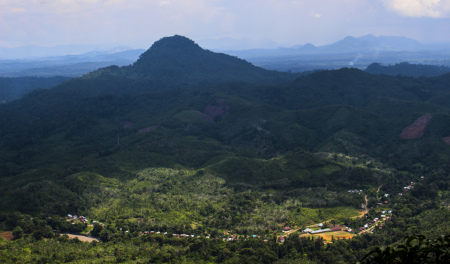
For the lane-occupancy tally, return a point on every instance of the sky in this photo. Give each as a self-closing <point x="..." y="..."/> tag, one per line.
<point x="138" y="23"/>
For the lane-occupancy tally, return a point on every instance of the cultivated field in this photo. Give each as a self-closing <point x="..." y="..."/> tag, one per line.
<point x="328" y="235"/>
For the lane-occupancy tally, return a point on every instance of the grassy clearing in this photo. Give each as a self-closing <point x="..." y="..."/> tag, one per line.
<point x="329" y="235"/>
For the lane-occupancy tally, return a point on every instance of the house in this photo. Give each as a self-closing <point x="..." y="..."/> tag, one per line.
<point x="280" y="239"/>
<point x="336" y="228"/>
<point x="320" y="231"/>
<point x="320" y="225"/>
<point x="307" y="230"/>
<point x="385" y="202"/>
<point x="286" y="228"/>
<point x="383" y="216"/>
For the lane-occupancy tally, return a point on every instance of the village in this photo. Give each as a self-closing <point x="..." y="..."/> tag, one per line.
<point x="326" y="230"/>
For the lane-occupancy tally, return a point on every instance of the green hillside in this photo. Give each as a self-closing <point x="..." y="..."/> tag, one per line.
<point x="189" y="141"/>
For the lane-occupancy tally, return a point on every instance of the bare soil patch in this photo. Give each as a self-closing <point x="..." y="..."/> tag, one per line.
<point x="7" y="235"/>
<point x="446" y="140"/>
<point x="82" y="238"/>
<point x="416" y="129"/>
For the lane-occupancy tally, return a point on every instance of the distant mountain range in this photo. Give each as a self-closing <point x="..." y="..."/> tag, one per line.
<point x="349" y="44"/>
<point x="349" y="52"/>
<point x="68" y="65"/>
<point x="35" y="52"/>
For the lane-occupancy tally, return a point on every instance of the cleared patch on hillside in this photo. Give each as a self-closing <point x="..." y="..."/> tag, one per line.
<point x="446" y="140"/>
<point x="82" y="238"/>
<point x="416" y="129"/>
<point x="7" y="235"/>
<point x="214" y="110"/>
<point x="147" y="129"/>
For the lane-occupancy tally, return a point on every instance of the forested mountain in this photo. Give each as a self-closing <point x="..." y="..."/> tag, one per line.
<point x="15" y="88"/>
<point x="187" y="139"/>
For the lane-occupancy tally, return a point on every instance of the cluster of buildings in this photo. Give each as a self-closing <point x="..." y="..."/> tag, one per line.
<point x="375" y="222"/>
<point x="224" y="238"/>
<point x="356" y="191"/>
<point x="81" y="218"/>
<point x="410" y="186"/>
<point x="322" y="230"/>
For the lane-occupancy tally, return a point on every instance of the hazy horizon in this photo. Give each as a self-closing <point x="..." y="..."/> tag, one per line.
<point x="139" y="23"/>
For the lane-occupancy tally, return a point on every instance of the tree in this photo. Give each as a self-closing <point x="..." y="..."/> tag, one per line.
<point x="416" y="249"/>
<point x="17" y="232"/>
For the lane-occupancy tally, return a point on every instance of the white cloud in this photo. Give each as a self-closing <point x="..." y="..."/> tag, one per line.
<point x="420" y="8"/>
<point x="288" y="22"/>
<point x="316" y="15"/>
<point x="164" y="3"/>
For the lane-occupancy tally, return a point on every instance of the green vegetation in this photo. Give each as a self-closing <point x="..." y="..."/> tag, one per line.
<point x="186" y="141"/>
<point x="416" y="249"/>
<point x="407" y="69"/>
<point x="14" y="88"/>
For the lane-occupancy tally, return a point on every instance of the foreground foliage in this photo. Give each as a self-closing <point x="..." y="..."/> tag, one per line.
<point x="416" y="249"/>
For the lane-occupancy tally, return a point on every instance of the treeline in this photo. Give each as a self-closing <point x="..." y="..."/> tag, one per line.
<point x="12" y="88"/>
<point x="408" y="69"/>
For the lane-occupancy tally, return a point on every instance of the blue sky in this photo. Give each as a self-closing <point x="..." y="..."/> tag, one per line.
<point x="138" y="23"/>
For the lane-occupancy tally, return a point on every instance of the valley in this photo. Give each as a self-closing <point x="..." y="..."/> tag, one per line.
<point x="188" y="141"/>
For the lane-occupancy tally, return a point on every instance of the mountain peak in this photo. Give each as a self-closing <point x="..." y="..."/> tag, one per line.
<point x="179" y="59"/>
<point x="169" y="48"/>
<point x="175" y="42"/>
